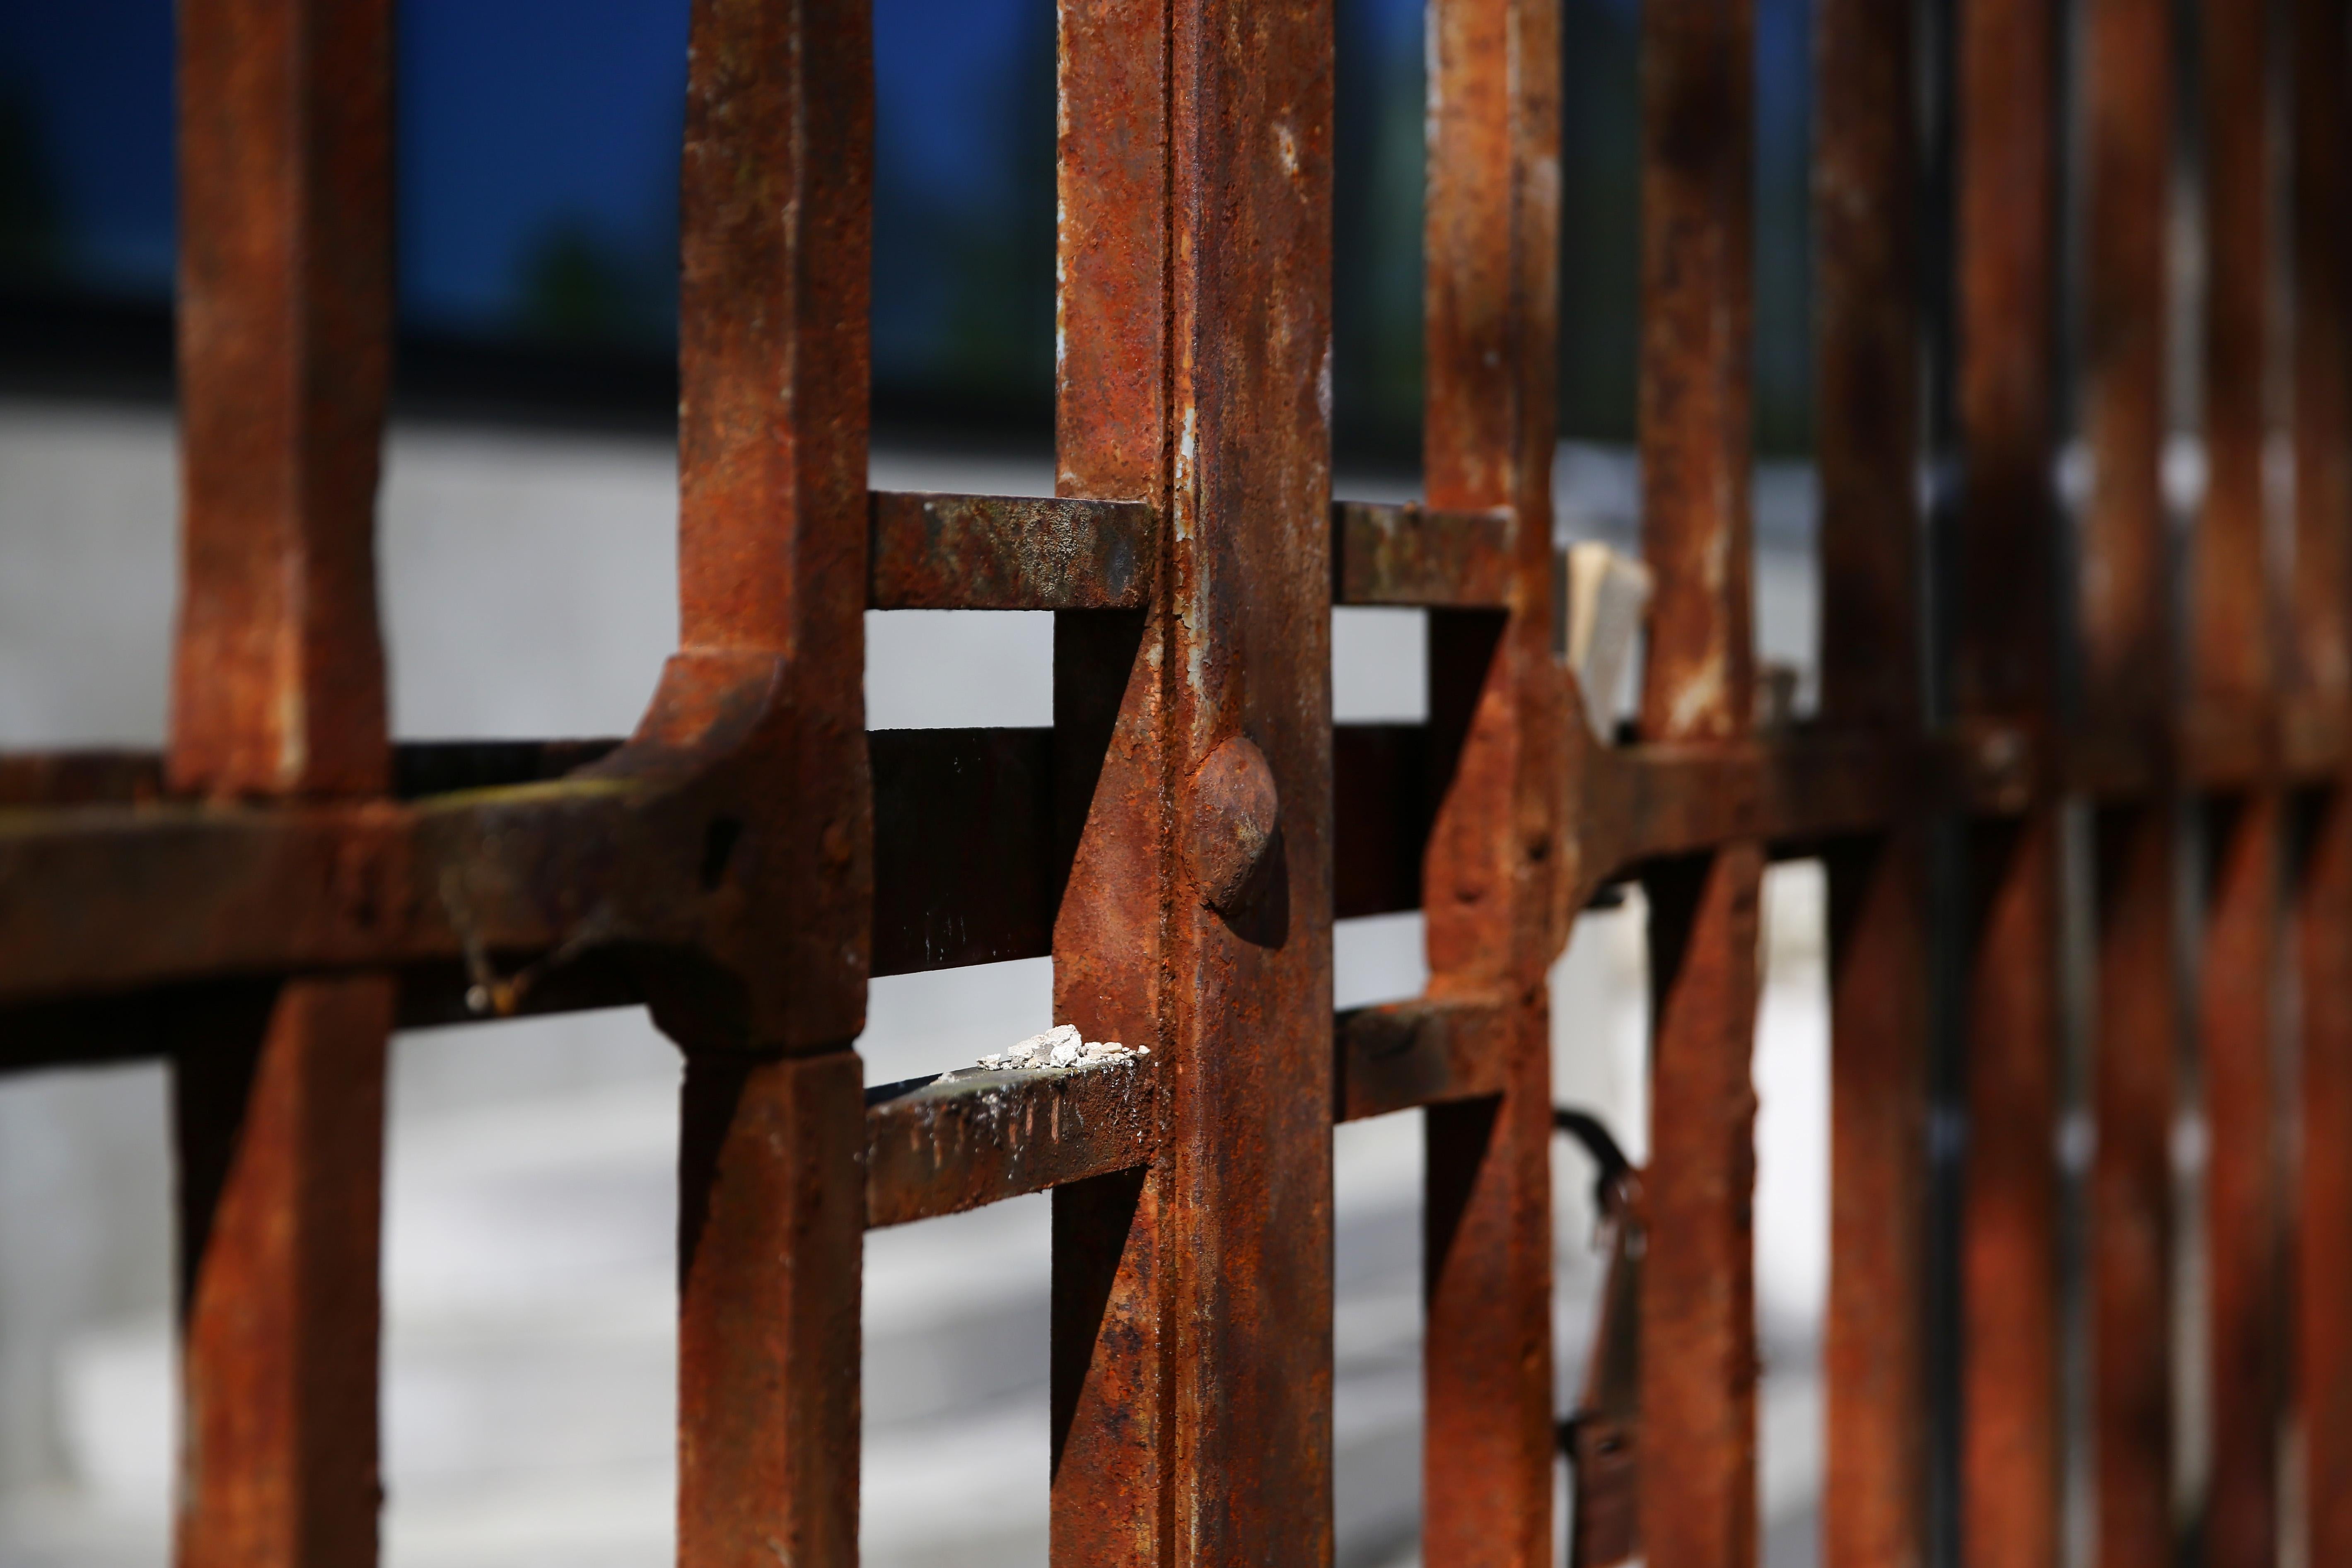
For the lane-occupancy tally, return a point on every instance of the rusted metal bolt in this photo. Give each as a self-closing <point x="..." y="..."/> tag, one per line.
<point x="2004" y="764"/>
<point x="1234" y="813"/>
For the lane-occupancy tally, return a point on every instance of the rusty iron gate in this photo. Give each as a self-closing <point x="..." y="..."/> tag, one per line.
<point x="265" y="901"/>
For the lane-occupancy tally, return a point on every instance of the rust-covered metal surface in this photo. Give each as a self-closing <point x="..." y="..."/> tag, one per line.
<point x="956" y="1142"/>
<point x="125" y="897"/>
<point x="1191" y="1398"/>
<point x="1427" y="1051"/>
<point x="1010" y="552"/>
<point x="262" y="902"/>
<point x="2004" y="667"/>
<point x="1699" y="1483"/>
<point x="772" y="574"/>
<point x="1496" y="733"/>
<point x="1416" y="556"/>
<point x="2319" y="233"/>
<point x="277" y="693"/>
<point x="1115" y="1242"/>
<point x="2129" y="643"/>
<point x="2232" y="659"/>
<point x="1869" y="445"/>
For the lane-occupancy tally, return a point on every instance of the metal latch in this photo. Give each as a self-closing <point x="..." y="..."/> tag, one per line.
<point x="1603" y="1436"/>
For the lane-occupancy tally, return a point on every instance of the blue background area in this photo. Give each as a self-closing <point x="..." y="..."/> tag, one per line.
<point x="521" y="118"/>
<point x="538" y="168"/>
<point x="94" y="79"/>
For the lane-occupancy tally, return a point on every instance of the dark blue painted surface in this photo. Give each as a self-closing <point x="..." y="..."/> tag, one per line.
<point x="537" y="145"/>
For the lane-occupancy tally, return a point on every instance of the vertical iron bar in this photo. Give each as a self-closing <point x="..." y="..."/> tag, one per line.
<point x="2128" y="663"/>
<point x="1113" y="1414"/>
<point x="1939" y="81"/>
<point x="1205" y="1285"/>
<point x="1698" y="1318"/>
<point x="2321" y="155"/>
<point x="2231" y="667"/>
<point x="1492" y="286"/>
<point x="768" y="1326"/>
<point x="2322" y="673"/>
<point x="1249" y="655"/>
<point x="2005" y="665"/>
<point x="773" y="373"/>
<point x="1869" y="448"/>
<point x="277" y="691"/>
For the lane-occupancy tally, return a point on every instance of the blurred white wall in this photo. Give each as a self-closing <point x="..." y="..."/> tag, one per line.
<point x="529" y="585"/>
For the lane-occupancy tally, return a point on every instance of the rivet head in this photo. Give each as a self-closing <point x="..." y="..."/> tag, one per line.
<point x="1235" y="812"/>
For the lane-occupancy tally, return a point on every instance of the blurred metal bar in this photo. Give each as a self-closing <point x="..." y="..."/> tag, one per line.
<point x="2233" y="629"/>
<point x="1870" y="430"/>
<point x="2128" y="638"/>
<point x="1380" y="783"/>
<point x="1401" y="1054"/>
<point x="1423" y="556"/>
<point x="2321" y="155"/>
<point x="52" y="779"/>
<point x="2005" y="637"/>
<point x="1698" y="1315"/>
<point x="964" y="863"/>
<point x="277" y="691"/>
<point x="1490" y="245"/>
<point x="563" y="857"/>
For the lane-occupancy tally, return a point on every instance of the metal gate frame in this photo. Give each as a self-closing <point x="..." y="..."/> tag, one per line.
<point x="265" y="901"/>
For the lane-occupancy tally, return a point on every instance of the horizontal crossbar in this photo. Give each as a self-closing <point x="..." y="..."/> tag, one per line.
<point x="1010" y="553"/>
<point x="940" y="1145"/>
<point x="1025" y="552"/>
<point x="958" y="1140"/>
<point x="557" y="884"/>
<point x="943" y="1144"/>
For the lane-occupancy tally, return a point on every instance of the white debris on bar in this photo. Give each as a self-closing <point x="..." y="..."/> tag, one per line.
<point x="1607" y="593"/>
<point x="1062" y="1047"/>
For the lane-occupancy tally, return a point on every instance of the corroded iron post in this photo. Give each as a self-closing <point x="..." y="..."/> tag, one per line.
<point x="278" y="692"/>
<point x="773" y="376"/>
<point x="1698" y="1311"/>
<point x="1193" y="1352"/>
<point x="2231" y="674"/>
<point x="2006" y="654"/>
<point x="1496" y="749"/>
<point x="2321" y="674"/>
<point x="1870" y="439"/>
<point x="2129" y="640"/>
